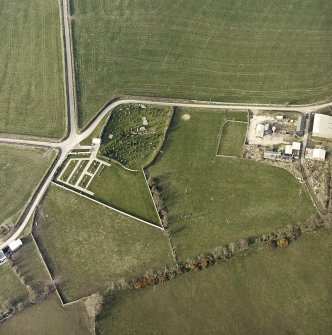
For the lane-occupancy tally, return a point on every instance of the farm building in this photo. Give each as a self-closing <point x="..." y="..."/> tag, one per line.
<point x="96" y="141"/>
<point x="322" y="126"/>
<point x="2" y="256"/>
<point x="260" y="128"/>
<point x="267" y="128"/>
<point x="13" y="246"/>
<point x="315" y="154"/>
<point x="296" y="148"/>
<point x="288" y="149"/>
<point x="300" y="125"/>
<point x="276" y="155"/>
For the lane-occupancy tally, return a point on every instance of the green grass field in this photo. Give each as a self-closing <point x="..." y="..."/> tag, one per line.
<point x="78" y="172"/>
<point x="133" y="134"/>
<point x="49" y="318"/>
<point x="89" y="246"/>
<point x="21" y="169"/>
<point x="31" y="267"/>
<point x="213" y="200"/>
<point x="12" y="291"/>
<point x="282" y="291"/>
<point x="232" y="139"/>
<point x="235" y="51"/>
<point x="69" y="169"/>
<point x="31" y="69"/>
<point x="124" y="190"/>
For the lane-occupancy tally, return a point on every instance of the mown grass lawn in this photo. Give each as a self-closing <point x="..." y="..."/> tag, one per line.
<point x="32" y="100"/>
<point x="232" y="139"/>
<point x="88" y="246"/>
<point x="49" y="318"/>
<point x="213" y="200"/>
<point x="261" y="51"/>
<point x="281" y="291"/>
<point x="126" y="191"/>
<point x="21" y="170"/>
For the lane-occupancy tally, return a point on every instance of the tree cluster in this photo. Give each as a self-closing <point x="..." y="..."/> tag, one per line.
<point x="158" y="200"/>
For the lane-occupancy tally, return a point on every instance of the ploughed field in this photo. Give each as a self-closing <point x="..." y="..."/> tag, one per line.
<point x="32" y="100"/>
<point x="21" y="170"/>
<point x="262" y="51"/>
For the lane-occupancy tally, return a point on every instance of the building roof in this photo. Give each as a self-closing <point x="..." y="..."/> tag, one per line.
<point x="316" y="154"/>
<point x="322" y="126"/>
<point x="296" y="146"/>
<point x="319" y="154"/>
<point x="96" y="140"/>
<point x="15" y="245"/>
<point x="300" y="124"/>
<point x="288" y="149"/>
<point x="145" y="121"/>
<point x="260" y="128"/>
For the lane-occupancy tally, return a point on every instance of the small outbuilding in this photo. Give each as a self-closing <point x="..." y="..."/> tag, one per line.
<point x="96" y="141"/>
<point x="300" y="125"/>
<point x="145" y="121"/>
<point x="296" y="148"/>
<point x="13" y="246"/>
<point x="267" y="128"/>
<point x="2" y="256"/>
<point x="288" y="149"/>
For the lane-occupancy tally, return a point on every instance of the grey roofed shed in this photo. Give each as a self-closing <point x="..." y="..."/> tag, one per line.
<point x="300" y="125"/>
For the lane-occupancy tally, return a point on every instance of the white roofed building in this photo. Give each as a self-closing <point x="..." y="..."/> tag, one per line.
<point x="296" y="146"/>
<point x="315" y="154"/>
<point x="96" y="141"/>
<point x="322" y="126"/>
<point x="260" y="129"/>
<point x="13" y="246"/>
<point x="288" y="149"/>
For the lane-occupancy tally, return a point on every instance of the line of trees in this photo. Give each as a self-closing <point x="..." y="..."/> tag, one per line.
<point x="158" y="200"/>
<point x="279" y="238"/>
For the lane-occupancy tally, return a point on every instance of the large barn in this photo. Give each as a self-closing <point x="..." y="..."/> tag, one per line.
<point x="322" y="126"/>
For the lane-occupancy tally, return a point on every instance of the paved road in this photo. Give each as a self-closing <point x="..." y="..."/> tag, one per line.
<point x="74" y="137"/>
<point x="70" y="73"/>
